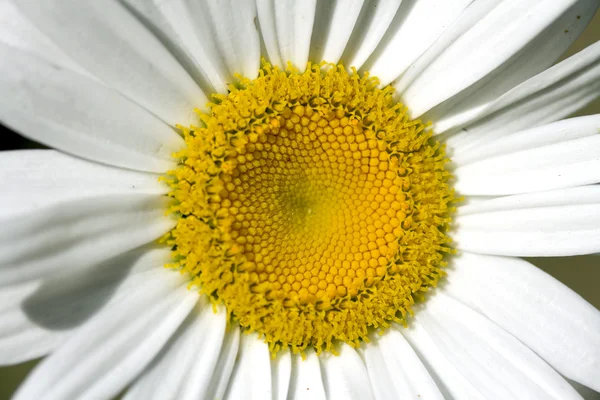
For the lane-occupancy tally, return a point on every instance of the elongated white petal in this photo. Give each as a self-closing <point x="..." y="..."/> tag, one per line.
<point x="114" y="347"/>
<point x="227" y="34"/>
<point x="547" y="97"/>
<point x="253" y="356"/>
<point x="287" y="26"/>
<point x="484" y="49"/>
<point x="533" y="55"/>
<point x="545" y="315"/>
<point x="18" y="32"/>
<point x="415" y="27"/>
<point x="306" y="381"/>
<point x="79" y="234"/>
<point x="373" y="21"/>
<point x="495" y="362"/>
<point x="76" y="114"/>
<point x="333" y="25"/>
<point x="555" y="132"/>
<point x="185" y="367"/>
<point x="188" y="27"/>
<point x="125" y="54"/>
<point x="345" y="375"/>
<point x="224" y="368"/>
<point x="546" y="227"/>
<point x="281" y="369"/>
<point x="559" y="155"/>
<point x="34" y="179"/>
<point x="448" y="378"/>
<point x="38" y="316"/>
<point x="561" y="197"/>
<point x="396" y="372"/>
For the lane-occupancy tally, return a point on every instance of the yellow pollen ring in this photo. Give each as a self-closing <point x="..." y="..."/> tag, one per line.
<point x="311" y="206"/>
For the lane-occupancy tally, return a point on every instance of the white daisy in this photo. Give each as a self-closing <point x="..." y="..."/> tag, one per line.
<point x="307" y="211"/>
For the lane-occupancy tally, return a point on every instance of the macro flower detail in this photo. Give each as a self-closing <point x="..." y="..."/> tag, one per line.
<point x="297" y="199"/>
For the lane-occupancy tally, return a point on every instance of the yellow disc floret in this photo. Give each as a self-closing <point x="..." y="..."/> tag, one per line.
<point x="311" y="206"/>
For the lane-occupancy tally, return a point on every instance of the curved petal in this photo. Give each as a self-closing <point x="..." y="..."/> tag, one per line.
<point x="396" y="372"/>
<point x="286" y="27"/>
<point x="333" y="25"/>
<point x="16" y="31"/>
<point x="227" y="358"/>
<point x="76" y="114"/>
<point x="447" y="376"/>
<point x="545" y="315"/>
<point x="114" y="347"/>
<point x="485" y="49"/>
<point x="415" y="27"/>
<point x="245" y="383"/>
<point x="185" y="367"/>
<point x="76" y="235"/>
<point x="281" y="368"/>
<point x="345" y="375"/>
<point x="125" y="54"/>
<point x="40" y="315"/>
<point x="229" y="35"/>
<point x="372" y="23"/>
<point x="547" y="97"/>
<point x="537" y="53"/>
<point x="549" y="226"/>
<point x="42" y="178"/>
<point x="495" y="362"/>
<point x="190" y="39"/>
<point x="305" y="381"/>
<point x="559" y="155"/>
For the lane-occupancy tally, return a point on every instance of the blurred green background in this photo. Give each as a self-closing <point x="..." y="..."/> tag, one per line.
<point x="582" y="274"/>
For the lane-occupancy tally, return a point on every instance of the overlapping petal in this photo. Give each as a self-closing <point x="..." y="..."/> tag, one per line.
<point x="542" y="313"/>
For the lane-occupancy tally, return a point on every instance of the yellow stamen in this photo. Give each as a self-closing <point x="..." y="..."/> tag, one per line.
<point x="311" y="205"/>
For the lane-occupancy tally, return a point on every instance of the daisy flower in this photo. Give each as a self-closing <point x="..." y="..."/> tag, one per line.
<point x="297" y="199"/>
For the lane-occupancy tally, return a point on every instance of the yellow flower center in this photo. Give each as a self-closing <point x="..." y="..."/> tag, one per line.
<point x="311" y="206"/>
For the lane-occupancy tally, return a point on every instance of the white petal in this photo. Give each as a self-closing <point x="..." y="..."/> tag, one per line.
<point x="108" y="41"/>
<point x="185" y="23"/>
<point x="415" y="27"/>
<point x="287" y="26"/>
<point x="395" y="370"/>
<point x="372" y="23"/>
<point x="495" y="362"/>
<point x="224" y="368"/>
<point x="227" y="34"/>
<point x="251" y="376"/>
<point x="333" y="25"/>
<point x="185" y="367"/>
<point x="555" y="132"/>
<point x="114" y="347"/>
<point x="306" y="382"/>
<point x="18" y="32"/>
<point x="549" y="96"/>
<point x="448" y="378"/>
<point x="559" y="155"/>
<point x="537" y="53"/>
<point x="40" y="315"/>
<point x="486" y="49"/>
<point x="545" y="315"/>
<point x="76" y="114"/>
<point x="34" y="179"/>
<point x="545" y="227"/>
<point x="579" y="195"/>
<point x="77" y="235"/>
<point x="345" y="375"/>
<point x="281" y="368"/>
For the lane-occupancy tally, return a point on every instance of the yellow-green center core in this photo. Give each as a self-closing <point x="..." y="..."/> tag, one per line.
<point x="311" y="206"/>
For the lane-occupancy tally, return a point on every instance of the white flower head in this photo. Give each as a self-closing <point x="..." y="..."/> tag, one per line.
<point x="297" y="199"/>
